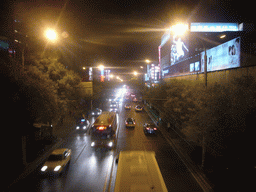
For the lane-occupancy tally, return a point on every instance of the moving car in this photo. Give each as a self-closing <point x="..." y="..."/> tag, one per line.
<point x="57" y="161"/>
<point x="127" y="106"/>
<point x="82" y="124"/>
<point x="149" y="128"/>
<point x="113" y="104"/>
<point x="96" y="112"/>
<point x="130" y="122"/>
<point x="138" y="108"/>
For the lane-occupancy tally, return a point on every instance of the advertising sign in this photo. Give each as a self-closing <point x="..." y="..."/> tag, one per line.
<point x="179" y="49"/>
<point x="213" y="27"/>
<point x="224" y="56"/>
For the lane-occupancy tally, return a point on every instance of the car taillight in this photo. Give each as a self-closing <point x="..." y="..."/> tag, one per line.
<point x="155" y="129"/>
<point x="147" y="128"/>
<point x="101" y="128"/>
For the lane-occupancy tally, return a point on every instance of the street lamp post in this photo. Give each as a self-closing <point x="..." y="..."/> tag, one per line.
<point x="180" y="29"/>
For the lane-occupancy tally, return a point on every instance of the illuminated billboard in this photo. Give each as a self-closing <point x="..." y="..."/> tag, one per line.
<point x="179" y="48"/>
<point x="213" y="27"/>
<point x="224" y="56"/>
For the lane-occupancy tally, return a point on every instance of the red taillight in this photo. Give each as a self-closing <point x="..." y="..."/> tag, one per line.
<point x="147" y="128"/>
<point x="134" y="123"/>
<point x="126" y="123"/>
<point x="155" y="128"/>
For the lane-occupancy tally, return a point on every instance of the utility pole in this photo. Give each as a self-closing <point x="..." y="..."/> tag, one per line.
<point x="204" y="129"/>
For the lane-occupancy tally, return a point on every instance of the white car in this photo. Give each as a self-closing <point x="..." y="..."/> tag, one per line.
<point x="57" y="161"/>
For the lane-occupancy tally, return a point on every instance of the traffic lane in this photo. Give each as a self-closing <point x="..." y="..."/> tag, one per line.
<point x="87" y="171"/>
<point x="175" y="174"/>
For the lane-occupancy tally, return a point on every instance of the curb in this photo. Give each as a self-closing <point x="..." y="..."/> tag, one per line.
<point x="198" y="175"/>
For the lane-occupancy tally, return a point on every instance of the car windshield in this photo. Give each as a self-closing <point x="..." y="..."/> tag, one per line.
<point x="129" y="119"/>
<point x="55" y="157"/>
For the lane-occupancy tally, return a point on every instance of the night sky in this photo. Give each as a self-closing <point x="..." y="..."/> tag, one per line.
<point x="121" y="32"/>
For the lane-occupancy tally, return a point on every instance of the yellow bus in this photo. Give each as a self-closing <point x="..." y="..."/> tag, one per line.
<point x="138" y="171"/>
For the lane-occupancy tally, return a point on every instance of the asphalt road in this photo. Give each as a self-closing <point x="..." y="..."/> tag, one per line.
<point x="91" y="168"/>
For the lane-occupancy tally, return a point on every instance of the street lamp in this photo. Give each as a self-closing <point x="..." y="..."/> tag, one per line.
<point x="147" y="61"/>
<point x="51" y="35"/>
<point x="179" y="29"/>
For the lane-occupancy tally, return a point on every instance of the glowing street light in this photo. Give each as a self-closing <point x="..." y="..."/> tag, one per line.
<point x="147" y="61"/>
<point x="51" y="35"/>
<point x="135" y="73"/>
<point x="101" y="67"/>
<point x="179" y="29"/>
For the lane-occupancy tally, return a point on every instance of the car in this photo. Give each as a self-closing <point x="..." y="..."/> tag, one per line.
<point x="82" y="124"/>
<point x="96" y="112"/>
<point x="58" y="160"/>
<point x="113" y="104"/>
<point x="130" y="122"/>
<point x="149" y="128"/>
<point x="138" y="108"/>
<point x="127" y="106"/>
<point x="114" y="109"/>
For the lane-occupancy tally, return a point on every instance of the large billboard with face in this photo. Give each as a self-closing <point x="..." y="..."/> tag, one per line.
<point x="224" y="56"/>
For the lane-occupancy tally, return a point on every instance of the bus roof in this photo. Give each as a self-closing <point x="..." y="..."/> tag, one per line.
<point x="105" y="118"/>
<point x="138" y="171"/>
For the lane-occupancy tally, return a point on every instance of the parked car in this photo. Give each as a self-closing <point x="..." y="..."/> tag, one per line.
<point x="138" y="108"/>
<point x="57" y="161"/>
<point x="149" y="128"/>
<point x="130" y="122"/>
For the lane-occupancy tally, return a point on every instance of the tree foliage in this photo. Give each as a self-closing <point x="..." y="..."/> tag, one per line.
<point x="53" y="87"/>
<point x="221" y="112"/>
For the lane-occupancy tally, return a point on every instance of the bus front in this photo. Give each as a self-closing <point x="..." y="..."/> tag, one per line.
<point x="102" y="135"/>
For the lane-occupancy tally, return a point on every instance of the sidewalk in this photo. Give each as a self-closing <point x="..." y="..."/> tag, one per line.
<point x="183" y="149"/>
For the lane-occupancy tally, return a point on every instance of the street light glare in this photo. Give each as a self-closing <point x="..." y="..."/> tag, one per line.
<point x="101" y="67"/>
<point x="51" y="34"/>
<point x="179" y="29"/>
<point x="147" y="61"/>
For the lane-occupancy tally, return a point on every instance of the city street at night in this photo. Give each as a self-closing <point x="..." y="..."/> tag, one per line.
<point x="91" y="168"/>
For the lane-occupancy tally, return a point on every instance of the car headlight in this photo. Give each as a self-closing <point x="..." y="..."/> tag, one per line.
<point x="92" y="113"/>
<point x="92" y="144"/>
<point x="77" y="127"/>
<point x="57" y="168"/>
<point x="44" y="168"/>
<point x="84" y="127"/>
<point x="110" y="144"/>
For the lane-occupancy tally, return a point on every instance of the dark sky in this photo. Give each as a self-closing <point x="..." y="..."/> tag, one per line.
<point x="121" y="32"/>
